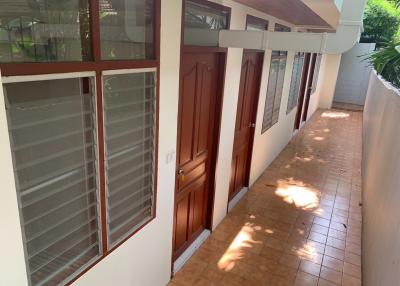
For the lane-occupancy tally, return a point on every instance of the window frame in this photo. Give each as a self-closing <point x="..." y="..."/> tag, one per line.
<point x="297" y="56"/>
<point x="317" y="69"/>
<point x="282" y="28"/>
<point x="126" y="236"/>
<point x="11" y="72"/>
<point x="281" y="56"/>
<point x="212" y="5"/>
<point x="250" y="19"/>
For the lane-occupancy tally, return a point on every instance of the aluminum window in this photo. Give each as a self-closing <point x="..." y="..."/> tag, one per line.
<point x="316" y="73"/>
<point x="295" y="81"/>
<point x="55" y="148"/>
<point x="129" y="120"/>
<point x="53" y="140"/>
<point x="275" y="89"/>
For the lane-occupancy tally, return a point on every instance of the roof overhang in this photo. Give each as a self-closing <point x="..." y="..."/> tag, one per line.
<point x="347" y="34"/>
<point x="312" y="14"/>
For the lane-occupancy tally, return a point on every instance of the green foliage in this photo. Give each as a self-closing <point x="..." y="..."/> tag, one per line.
<point x="381" y="22"/>
<point x="387" y="62"/>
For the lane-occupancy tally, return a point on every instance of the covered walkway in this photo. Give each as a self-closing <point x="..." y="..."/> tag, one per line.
<point x="300" y="224"/>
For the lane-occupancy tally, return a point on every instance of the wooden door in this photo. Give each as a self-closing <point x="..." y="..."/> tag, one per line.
<point x="245" y="120"/>
<point x="200" y="93"/>
<point x="302" y="91"/>
<point x="309" y="86"/>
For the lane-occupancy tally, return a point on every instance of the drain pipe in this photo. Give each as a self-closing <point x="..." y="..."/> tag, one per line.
<point x="346" y="36"/>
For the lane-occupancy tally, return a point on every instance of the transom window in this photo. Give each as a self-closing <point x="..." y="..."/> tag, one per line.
<point x="281" y="28"/>
<point x="256" y="24"/>
<point x="45" y="31"/>
<point x="203" y="21"/>
<point x="81" y="93"/>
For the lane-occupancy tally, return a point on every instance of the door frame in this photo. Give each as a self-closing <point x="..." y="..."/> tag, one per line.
<point x="216" y="136"/>
<point x="254" y="119"/>
<point x="302" y="91"/>
<point x="309" y="86"/>
<point x="218" y="117"/>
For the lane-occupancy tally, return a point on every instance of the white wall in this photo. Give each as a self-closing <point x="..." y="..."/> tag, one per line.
<point x="354" y="72"/>
<point x="326" y="86"/>
<point x="328" y="78"/>
<point x="267" y="146"/>
<point x="231" y="93"/>
<point x="381" y="180"/>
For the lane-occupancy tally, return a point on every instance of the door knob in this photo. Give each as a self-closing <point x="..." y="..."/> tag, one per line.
<point x="252" y="125"/>
<point x="181" y="174"/>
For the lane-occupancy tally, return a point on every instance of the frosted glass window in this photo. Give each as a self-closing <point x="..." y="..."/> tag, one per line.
<point x="44" y="31"/>
<point x="203" y="23"/>
<point x="52" y="132"/>
<point x="127" y="29"/>
<point x="295" y="81"/>
<point x="129" y="113"/>
<point x="275" y="88"/>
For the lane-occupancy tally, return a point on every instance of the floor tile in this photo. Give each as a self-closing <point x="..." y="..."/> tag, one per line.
<point x="300" y="223"/>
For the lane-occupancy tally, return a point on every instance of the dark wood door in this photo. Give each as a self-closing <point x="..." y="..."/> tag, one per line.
<point x="197" y="124"/>
<point x="309" y="87"/>
<point x="245" y="120"/>
<point x="302" y="91"/>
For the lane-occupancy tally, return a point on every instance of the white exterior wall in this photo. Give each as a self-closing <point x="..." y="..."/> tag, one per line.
<point x="327" y="80"/>
<point x="381" y="180"/>
<point x="354" y="72"/>
<point x="145" y="259"/>
<point x="267" y="146"/>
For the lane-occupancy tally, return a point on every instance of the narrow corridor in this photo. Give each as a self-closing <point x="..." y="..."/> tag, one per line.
<point x="300" y="224"/>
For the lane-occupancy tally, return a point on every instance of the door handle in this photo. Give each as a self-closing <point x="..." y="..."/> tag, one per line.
<point x="181" y="174"/>
<point x="252" y="125"/>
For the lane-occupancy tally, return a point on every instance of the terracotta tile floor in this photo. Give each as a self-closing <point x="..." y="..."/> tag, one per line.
<point x="300" y="224"/>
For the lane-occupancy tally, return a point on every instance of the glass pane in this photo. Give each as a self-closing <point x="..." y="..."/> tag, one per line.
<point x="256" y="24"/>
<point x="129" y="113"/>
<point x="279" y="89"/>
<point x="44" y="31"/>
<point x="202" y="24"/>
<point x="295" y="81"/>
<point x="316" y="73"/>
<point x="281" y="28"/>
<point x="127" y="29"/>
<point x="52" y="132"/>
<point x="269" y="101"/>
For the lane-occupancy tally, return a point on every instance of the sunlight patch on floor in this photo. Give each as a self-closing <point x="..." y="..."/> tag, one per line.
<point x="236" y="249"/>
<point x="335" y="114"/>
<point x="301" y="196"/>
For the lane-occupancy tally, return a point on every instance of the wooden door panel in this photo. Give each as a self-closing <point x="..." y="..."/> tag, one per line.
<point x="187" y="111"/>
<point x="199" y="89"/>
<point x="192" y="174"/>
<point x="245" y="118"/>
<point x="182" y="214"/>
<point x="199" y="194"/>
